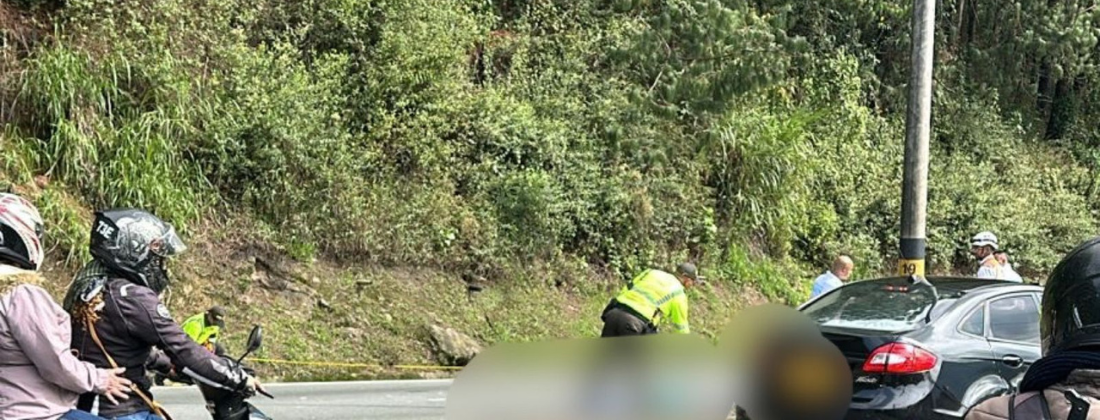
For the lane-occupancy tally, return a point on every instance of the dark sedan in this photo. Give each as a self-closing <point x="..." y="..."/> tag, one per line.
<point x="930" y="350"/>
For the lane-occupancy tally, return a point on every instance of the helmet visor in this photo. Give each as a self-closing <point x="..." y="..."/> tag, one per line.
<point x="168" y="244"/>
<point x="1073" y="320"/>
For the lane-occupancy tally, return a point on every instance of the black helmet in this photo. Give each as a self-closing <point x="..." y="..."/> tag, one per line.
<point x="1070" y="316"/>
<point x="134" y="244"/>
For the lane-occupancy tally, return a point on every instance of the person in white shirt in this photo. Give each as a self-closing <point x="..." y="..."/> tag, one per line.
<point x="982" y="246"/>
<point x="835" y="277"/>
<point x="1010" y="273"/>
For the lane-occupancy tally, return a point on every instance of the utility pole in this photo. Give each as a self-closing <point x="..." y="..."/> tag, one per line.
<point x="917" y="130"/>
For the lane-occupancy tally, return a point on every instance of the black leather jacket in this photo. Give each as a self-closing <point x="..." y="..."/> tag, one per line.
<point x="131" y="324"/>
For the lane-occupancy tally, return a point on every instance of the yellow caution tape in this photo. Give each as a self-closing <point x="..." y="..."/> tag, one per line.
<point x="355" y="365"/>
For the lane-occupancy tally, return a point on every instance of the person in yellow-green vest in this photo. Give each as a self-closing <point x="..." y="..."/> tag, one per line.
<point x="652" y="298"/>
<point x="204" y="328"/>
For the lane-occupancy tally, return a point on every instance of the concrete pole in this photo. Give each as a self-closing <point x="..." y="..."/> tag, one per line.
<point x="917" y="130"/>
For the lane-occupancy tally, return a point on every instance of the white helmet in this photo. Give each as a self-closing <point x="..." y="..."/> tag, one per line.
<point x="20" y="233"/>
<point x="984" y="239"/>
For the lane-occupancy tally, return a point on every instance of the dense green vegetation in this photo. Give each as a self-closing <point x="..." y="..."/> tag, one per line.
<point x="756" y="137"/>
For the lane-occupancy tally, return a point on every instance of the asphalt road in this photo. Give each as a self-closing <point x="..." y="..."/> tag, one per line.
<point x="412" y="400"/>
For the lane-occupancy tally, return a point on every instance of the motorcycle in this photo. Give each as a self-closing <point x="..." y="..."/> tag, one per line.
<point x="224" y="404"/>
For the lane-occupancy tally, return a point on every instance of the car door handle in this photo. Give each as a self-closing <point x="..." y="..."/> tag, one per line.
<point x="1013" y="360"/>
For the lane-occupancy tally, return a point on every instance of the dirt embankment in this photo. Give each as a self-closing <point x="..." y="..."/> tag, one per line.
<point x="354" y="322"/>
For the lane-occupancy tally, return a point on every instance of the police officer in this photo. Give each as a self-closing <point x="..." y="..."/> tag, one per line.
<point x="650" y="297"/>
<point x="1065" y="383"/>
<point x="205" y="327"/>
<point x="983" y="246"/>
<point x="118" y="318"/>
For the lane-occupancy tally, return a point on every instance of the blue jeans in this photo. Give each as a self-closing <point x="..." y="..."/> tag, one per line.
<point x="80" y="415"/>
<point x="140" y="415"/>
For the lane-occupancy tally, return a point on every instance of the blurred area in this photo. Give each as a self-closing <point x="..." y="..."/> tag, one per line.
<point x="769" y="361"/>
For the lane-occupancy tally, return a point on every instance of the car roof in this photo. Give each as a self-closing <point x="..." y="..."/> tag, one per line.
<point x="953" y="287"/>
<point x="956" y="285"/>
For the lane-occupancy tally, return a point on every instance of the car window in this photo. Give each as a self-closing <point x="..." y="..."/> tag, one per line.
<point x="885" y="306"/>
<point x="1014" y="318"/>
<point x="975" y="323"/>
<point x="942" y="306"/>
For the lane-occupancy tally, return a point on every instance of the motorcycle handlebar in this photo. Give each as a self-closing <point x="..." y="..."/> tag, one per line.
<point x="264" y="393"/>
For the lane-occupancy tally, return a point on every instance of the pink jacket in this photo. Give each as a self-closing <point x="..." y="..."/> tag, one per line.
<point x="39" y="376"/>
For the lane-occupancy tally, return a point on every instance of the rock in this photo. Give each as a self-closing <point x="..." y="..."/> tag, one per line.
<point x="273" y="275"/>
<point x="263" y="274"/>
<point x="293" y="288"/>
<point x="451" y="347"/>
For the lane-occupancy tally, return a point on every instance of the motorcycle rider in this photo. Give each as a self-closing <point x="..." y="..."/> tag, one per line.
<point x="39" y="378"/>
<point x="117" y="296"/>
<point x="1065" y="382"/>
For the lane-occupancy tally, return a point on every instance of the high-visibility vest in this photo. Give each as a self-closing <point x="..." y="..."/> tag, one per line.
<point x="196" y="328"/>
<point x="657" y="294"/>
<point x="995" y="266"/>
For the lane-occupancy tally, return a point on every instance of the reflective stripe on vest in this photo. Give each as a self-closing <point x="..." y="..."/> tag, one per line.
<point x="650" y="291"/>
<point x="196" y="328"/>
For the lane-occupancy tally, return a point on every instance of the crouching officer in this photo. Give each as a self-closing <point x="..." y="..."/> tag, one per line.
<point x="204" y="328"/>
<point x="651" y="296"/>
<point x="118" y="318"/>
<point x="1065" y="383"/>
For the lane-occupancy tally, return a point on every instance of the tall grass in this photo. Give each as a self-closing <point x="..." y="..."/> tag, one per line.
<point x="95" y="132"/>
<point x="361" y="132"/>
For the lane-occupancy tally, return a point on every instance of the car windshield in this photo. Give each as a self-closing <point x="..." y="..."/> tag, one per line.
<point x="881" y="306"/>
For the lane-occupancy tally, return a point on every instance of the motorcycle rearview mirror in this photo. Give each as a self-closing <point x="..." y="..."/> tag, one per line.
<point x="255" y="340"/>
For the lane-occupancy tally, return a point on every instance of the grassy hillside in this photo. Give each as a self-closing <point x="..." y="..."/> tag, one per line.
<point x="338" y="314"/>
<point x="384" y="151"/>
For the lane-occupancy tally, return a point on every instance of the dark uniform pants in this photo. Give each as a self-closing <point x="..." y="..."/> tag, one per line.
<point x="618" y="322"/>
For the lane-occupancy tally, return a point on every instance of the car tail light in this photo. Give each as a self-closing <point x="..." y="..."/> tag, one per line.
<point x="899" y="358"/>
